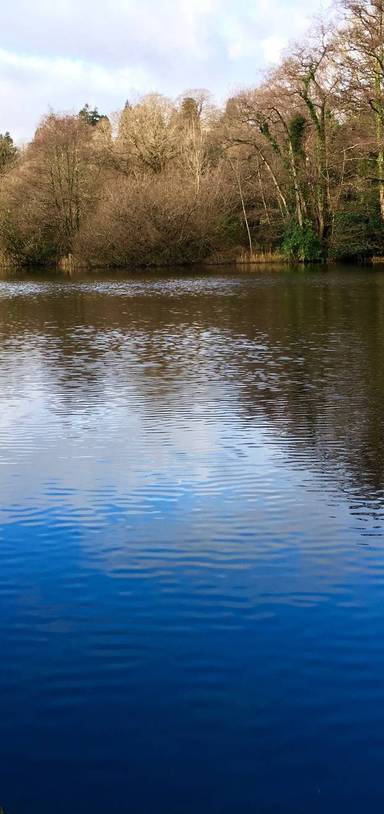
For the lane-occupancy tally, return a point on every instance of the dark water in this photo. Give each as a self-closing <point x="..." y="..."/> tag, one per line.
<point x="191" y="543"/>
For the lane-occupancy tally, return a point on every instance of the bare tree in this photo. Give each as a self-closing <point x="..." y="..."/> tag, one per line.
<point x="362" y="43"/>
<point x="147" y="135"/>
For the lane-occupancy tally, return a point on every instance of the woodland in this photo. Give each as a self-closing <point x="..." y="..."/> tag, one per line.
<point x="291" y="168"/>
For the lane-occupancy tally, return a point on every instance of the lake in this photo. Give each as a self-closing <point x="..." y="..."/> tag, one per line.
<point x="192" y="542"/>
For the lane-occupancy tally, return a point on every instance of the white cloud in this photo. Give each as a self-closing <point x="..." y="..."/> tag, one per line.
<point x="273" y="47"/>
<point x="29" y="85"/>
<point x="71" y="51"/>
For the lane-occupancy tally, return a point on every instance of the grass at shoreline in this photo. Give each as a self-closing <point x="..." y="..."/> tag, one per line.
<point x="260" y="258"/>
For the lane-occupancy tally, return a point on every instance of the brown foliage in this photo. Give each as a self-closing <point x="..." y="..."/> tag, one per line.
<point x="45" y="198"/>
<point x="296" y="162"/>
<point x="155" y="221"/>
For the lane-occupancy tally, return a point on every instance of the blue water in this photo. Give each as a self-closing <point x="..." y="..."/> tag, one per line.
<point x="191" y="543"/>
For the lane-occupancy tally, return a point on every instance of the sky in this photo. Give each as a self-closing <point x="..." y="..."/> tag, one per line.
<point x="60" y="54"/>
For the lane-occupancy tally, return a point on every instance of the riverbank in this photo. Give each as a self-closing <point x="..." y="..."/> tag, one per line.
<point x="240" y="260"/>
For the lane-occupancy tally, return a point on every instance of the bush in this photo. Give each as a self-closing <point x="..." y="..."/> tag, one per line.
<point x="27" y="232"/>
<point x="357" y="235"/>
<point x="156" y="220"/>
<point x="301" y="244"/>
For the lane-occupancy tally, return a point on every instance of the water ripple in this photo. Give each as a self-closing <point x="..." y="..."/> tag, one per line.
<point x="191" y="524"/>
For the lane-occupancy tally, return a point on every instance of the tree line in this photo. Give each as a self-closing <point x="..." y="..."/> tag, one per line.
<point x="293" y="166"/>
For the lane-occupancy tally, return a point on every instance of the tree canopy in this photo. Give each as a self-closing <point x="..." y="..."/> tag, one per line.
<point x="294" y="165"/>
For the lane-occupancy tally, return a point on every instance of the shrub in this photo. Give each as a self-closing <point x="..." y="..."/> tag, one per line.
<point x="357" y="234"/>
<point x="156" y="220"/>
<point x="301" y="244"/>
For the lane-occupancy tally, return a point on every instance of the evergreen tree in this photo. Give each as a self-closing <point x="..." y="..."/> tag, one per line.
<point x="92" y="117"/>
<point x="8" y="151"/>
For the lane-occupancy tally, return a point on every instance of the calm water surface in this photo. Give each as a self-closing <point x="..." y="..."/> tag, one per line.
<point x="192" y="543"/>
